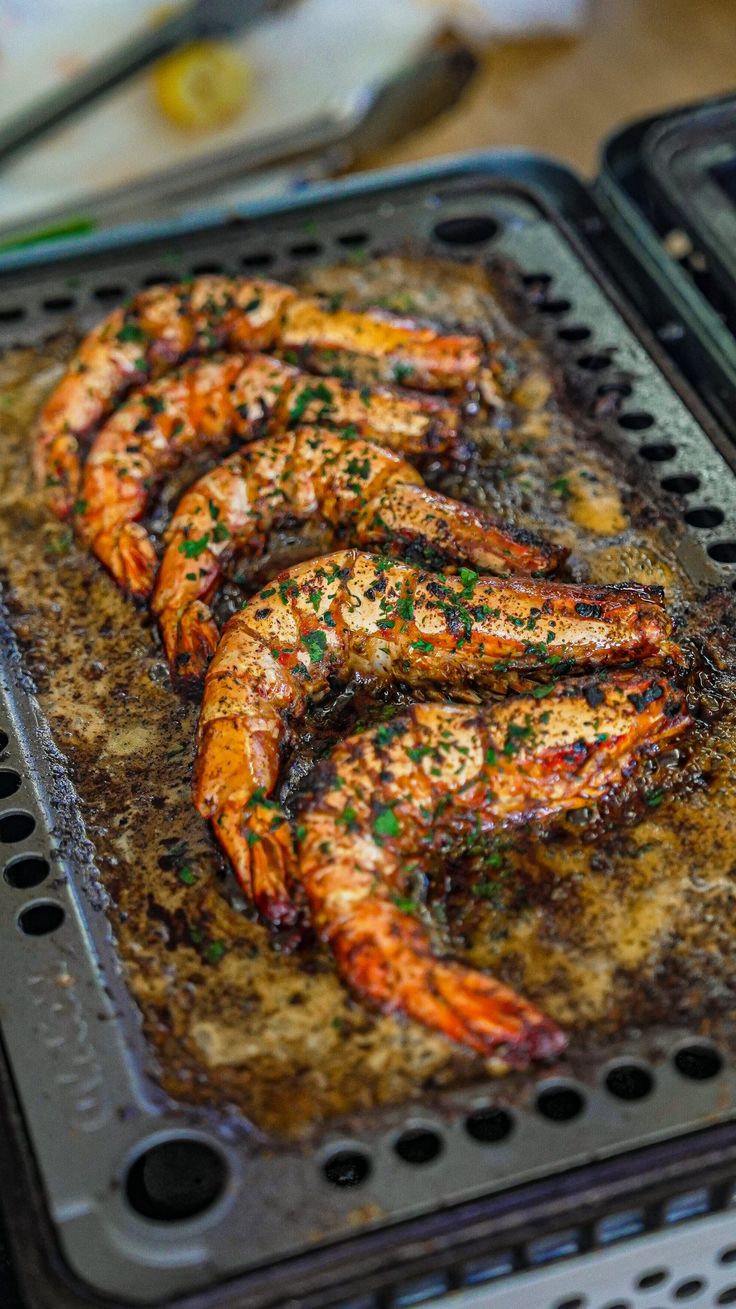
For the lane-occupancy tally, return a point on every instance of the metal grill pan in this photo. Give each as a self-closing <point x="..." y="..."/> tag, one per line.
<point x="70" y="1032"/>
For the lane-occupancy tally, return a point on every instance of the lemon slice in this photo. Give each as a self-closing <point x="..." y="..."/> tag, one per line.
<point x="203" y="85"/>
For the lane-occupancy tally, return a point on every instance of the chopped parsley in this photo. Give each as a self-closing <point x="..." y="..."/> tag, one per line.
<point x="315" y="644"/>
<point x="194" y="548"/>
<point x="406" y="905"/>
<point x="214" y="951"/>
<point x="131" y="332"/>
<point x="386" y="824"/>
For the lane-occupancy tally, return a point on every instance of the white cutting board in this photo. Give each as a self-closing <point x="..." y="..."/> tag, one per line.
<point x="318" y="52"/>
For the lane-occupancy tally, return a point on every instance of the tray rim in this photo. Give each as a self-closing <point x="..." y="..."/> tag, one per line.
<point x="517" y="164"/>
<point x="619" y="152"/>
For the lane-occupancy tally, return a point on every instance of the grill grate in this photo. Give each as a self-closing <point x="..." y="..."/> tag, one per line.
<point x="69" y="1025"/>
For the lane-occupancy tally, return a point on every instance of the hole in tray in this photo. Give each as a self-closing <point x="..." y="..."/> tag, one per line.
<point x="489" y="1267"/>
<point x="680" y="1208"/>
<point x="658" y="452"/>
<point x="704" y="516"/>
<point x="575" y="332"/>
<point x="537" y="279"/>
<point x="560" y="1104"/>
<point x="470" y="230"/>
<point x="594" y="362"/>
<point x="636" y="421"/>
<point x="724" y="552"/>
<point x="558" y="1245"/>
<point x="347" y="1168"/>
<point x="418" y="1146"/>
<point x="418" y="1291"/>
<point x="686" y="1290"/>
<point x="684" y="484"/>
<point x="698" y="1062"/>
<point x="629" y="1082"/>
<point x="26" y="871"/>
<point x="207" y="269"/>
<point x="553" y="306"/>
<point x="15" y="827"/>
<point x="175" y="1180"/>
<point x="12" y="314"/>
<point x="622" y="389"/>
<point x="3" y="741"/>
<point x="671" y="332"/>
<point x="728" y="1296"/>
<point x="620" y="1226"/>
<point x="159" y="279"/>
<point x="9" y="782"/>
<point x="57" y="304"/>
<point x="575" y="1302"/>
<point x="352" y="238"/>
<point x="304" y="248"/>
<point x="727" y="1256"/>
<point x="258" y="259"/>
<point x="106" y="294"/>
<point x="651" y="1279"/>
<point x="617" y="1304"/>
<point x="489" y="1126"/>
<point x="41" y="918"/>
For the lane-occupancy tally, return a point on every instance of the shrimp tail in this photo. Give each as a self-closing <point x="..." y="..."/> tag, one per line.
<point x="257" y="841"/>
<point x="133" y="560"/>
<point x="253" y="831"/>
<point x="388" y="959"/>
<point x="128" y="552"/>
<point x="193" y="634"/>
<point x="272" y="862"/>
<point x="59" y="471"/>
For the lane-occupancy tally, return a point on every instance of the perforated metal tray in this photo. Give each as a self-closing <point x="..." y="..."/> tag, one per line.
<point x="680" y="298"/>
<point x="284" y="1226"/>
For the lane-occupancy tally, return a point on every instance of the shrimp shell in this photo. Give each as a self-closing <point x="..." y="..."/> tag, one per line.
<point x="165" y="324"/>
<point x="416" y="789"/>
<point x="153" y="332"/>
<point x="209" y="403"/>
<point x="351" y="613"/>
<point x="366" y="494"/>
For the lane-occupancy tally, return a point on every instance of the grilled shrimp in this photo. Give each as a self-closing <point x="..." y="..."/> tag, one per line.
<point x="165" y="324"/>
<point x="365" y="493"/>
<point x="391" y="799"/>
<point x="405" y="351"/>
<point x="353" y="613"/>
<point x="140" y="340"/>
<point x="207" y="403"/>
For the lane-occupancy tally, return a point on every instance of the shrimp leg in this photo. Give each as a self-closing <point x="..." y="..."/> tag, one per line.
<point x="352" y="613"/>
<point x="365" y="493"/>
<point x="385" y="798"/>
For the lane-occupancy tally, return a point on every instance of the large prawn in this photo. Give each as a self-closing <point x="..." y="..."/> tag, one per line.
<point x="164" y="324"/>
<point x="142" y="339"/>
<point x="354" y="613"/>
<point x="207" y="404"/>
<point x="412" y="791"/>
<point x="365" y="494"/>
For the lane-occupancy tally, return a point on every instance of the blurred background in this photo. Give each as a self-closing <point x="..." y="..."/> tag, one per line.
<point x="212" y="102"/>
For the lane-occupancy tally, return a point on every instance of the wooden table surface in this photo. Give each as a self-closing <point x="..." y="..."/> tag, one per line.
<point x="562" y="97"/>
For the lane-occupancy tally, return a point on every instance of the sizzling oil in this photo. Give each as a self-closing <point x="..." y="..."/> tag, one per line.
<point x="614" y="925"/>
